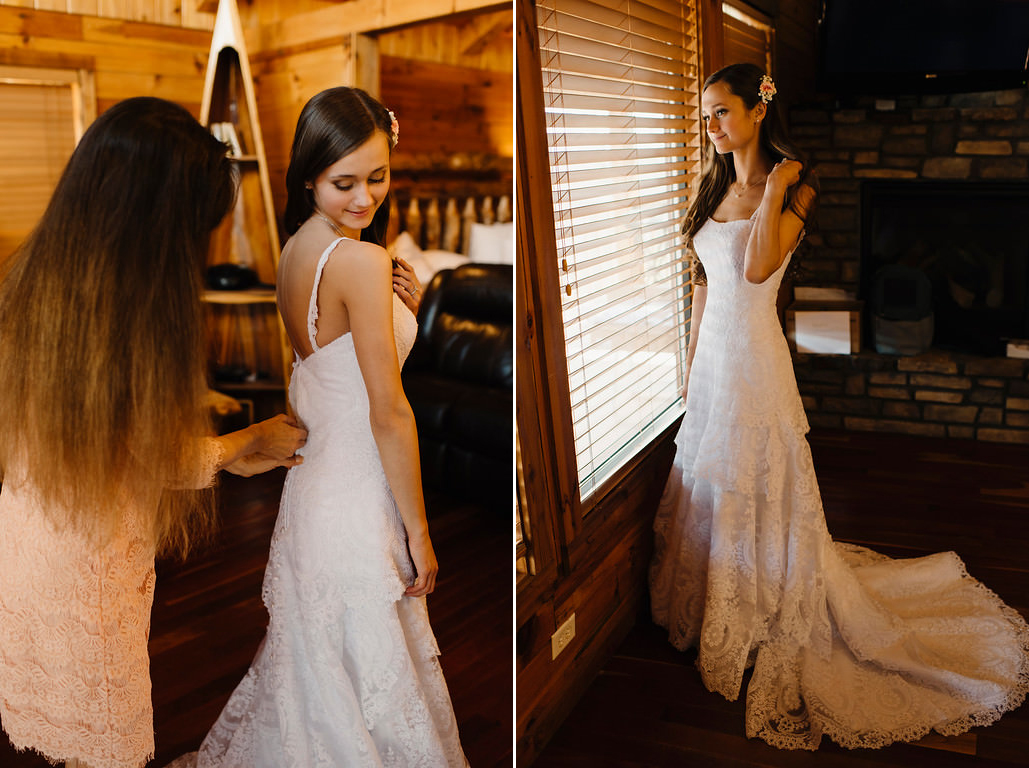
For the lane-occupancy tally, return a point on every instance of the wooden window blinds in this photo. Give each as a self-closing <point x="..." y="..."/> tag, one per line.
<point x="620" y="82"/>
<point x="43" y="113"/>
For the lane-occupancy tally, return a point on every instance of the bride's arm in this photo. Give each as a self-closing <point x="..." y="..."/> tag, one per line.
<point x="776" y="231"/>
<point x="367" y="292"/>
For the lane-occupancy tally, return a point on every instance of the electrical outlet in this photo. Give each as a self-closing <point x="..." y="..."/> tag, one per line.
<point x="560" y="639"/>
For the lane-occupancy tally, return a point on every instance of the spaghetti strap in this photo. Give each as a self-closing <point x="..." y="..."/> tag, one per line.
<point x="312" y="307"/>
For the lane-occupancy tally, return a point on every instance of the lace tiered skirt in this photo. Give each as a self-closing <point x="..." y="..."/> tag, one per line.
<point x="843" y="641"/>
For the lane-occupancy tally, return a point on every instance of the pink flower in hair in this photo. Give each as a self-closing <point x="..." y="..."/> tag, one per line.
<point x="767" y="89"/>
<point x="394" y="129"/>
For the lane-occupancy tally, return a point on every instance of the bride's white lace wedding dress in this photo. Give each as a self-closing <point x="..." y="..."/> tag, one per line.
<point x="348" y="673"/>
<point x="844" y="642"/>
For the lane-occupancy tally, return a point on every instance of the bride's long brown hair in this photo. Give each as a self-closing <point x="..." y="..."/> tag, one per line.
<point x="102" y="372"/>
<point x="719" y="171"/>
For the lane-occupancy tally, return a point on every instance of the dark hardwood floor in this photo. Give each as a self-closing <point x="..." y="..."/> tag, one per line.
<point x="903" y="496"/>
<point x="208" y="620"/>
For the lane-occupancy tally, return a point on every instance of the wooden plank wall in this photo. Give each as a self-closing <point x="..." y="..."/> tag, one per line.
<point x="796" y="50"/>
<point x="284" y="82"/>
<point x="129" y="57"/>
<point x="449" y="83"/>
<point x="603" y="581"/>
<point x="160" y="48"/>
<point x="453" y="83"/>
<point x="173" y="13"/>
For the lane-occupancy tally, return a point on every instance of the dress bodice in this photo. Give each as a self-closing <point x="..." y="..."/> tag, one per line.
<point x="327" y="391"/>
<point x="741" y="312"/>
<point x="742" y="388"/>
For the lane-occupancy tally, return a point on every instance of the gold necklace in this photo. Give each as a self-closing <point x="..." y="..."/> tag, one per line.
<point x="332" y="225"/>
<point x="744" y="188"/>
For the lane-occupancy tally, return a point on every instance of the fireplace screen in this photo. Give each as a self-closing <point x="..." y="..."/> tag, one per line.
<point x="970" y="239"/>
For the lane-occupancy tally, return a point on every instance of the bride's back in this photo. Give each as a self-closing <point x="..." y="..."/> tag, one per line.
<point x="295" y="283"/>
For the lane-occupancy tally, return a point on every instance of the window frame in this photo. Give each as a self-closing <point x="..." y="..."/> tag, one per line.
<point x="559" y="521"/>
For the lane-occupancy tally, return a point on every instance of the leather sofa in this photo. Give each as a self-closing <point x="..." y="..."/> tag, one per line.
<point x="458" y="379"/>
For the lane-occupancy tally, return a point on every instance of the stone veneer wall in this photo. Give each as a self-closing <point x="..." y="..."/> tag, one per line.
<point x="971" y="136"/>
<point x="982" y="136"/>
<point x="940" y="394"/>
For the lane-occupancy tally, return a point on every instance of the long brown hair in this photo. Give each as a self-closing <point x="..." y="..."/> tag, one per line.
<point x="331" y="125"/>
<point x="744" y="80"/>
<point x="102" y="369"/>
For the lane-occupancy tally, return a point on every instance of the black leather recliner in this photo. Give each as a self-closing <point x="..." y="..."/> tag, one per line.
<point x="459" y="381"/>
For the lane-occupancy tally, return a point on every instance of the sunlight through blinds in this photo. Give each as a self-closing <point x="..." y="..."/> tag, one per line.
<point x="620" y="93"/>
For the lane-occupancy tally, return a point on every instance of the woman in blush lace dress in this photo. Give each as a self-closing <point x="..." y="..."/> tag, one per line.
<point x="843" y="641"/>
<point x="103" y="408"/>
<point x="348" y="673"/>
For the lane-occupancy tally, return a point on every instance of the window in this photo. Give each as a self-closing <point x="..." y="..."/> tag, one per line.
<point x="524" y="564"/>
<point x="620" y="83"/>
<point x="43" y="113"/>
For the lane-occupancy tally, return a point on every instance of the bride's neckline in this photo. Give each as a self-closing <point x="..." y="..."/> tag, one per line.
<point x="731" y="221"/>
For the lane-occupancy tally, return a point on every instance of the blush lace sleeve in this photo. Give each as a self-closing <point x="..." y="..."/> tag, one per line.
<point x="211" y="456"/>
<point x="208" y="460"/>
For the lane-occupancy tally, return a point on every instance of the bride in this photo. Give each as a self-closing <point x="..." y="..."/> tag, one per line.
<point x="843" y="641"/>
<point x="348" y="673"/>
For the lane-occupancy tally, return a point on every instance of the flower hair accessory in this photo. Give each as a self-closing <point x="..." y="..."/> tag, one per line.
<point x="766" y="90"/>
<point x="394" y="129"/>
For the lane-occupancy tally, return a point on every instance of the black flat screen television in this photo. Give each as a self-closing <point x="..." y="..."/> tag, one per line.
<point x="895" y="47"/>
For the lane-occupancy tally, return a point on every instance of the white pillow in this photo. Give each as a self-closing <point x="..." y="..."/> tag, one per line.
<point x="492" y="243"/>
<point x="424" y="263"/>
<point x="434" y="261"/>
<point x="406" y="248"/>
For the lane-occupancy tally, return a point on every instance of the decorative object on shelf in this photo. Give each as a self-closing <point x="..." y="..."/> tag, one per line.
<point x="1018" y="348"/>
<point x="824" y="327"/>
<point x="230" y="277"/>
<point x="226" y="134"/>
<point x="901" y="303"/>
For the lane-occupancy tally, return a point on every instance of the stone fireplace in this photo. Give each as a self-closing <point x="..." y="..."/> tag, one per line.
<point x="940" y="183"/>
<point x="971" y="241"/>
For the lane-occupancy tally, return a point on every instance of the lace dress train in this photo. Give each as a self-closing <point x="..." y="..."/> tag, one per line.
<point x="843" y="641"/>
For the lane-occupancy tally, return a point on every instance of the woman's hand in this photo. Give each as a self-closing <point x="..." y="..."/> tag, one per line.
<point x="425" y="565"/>
<point x="784" y="174"/>
<point x="256" y="463"/>
<point x="279" y="437"/>
<point x="406" y="286"/>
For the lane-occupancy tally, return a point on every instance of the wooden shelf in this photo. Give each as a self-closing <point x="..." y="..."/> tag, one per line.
<point x="248" y="296"/>
<point x="261" y="385"/>
<point x="244" y="327"/>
